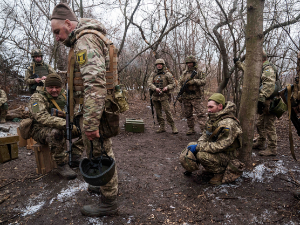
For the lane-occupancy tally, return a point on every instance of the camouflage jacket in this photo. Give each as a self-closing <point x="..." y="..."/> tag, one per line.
<point x="29" y="80"/>
<point x="195" y="87"/>
<point x="40" y="105"/>
<point x="267" y="80"/>
<point x="227" y="140"/>
<point x="161" y="79"/>
<point x="240" y="66"/>
<point x="93" y="69"/>
<point x="3" y="97"/>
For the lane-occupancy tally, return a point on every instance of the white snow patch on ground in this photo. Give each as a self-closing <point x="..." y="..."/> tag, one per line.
<point x="71" y="190"/>
<point x="12" y="131"/>
<point x="32" y="209"/>
<point x="262" y="173"/>
<point x="95" y="221"/>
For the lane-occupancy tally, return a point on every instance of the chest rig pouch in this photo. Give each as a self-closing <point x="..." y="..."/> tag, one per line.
<point x="158" y="80"/>
<point x="109" y="122"/>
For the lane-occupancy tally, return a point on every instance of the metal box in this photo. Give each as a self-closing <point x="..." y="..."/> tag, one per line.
<point x="135" y="125"/>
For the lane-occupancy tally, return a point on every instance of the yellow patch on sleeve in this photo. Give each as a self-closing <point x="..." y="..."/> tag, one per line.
<point x="81" y="57"/>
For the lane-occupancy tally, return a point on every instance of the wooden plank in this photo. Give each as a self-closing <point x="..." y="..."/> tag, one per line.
<point x="9" y="139"/>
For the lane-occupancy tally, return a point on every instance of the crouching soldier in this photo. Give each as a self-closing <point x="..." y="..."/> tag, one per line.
<point x="47" y="129"/>
<point x="3" y="106"/>
<point x="216" y="150"/>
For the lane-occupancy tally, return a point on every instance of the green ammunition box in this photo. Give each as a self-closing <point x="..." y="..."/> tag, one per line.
<point x="4" y="154"/>
<point x="8" y="148"/>
<point x="135" y="125"/>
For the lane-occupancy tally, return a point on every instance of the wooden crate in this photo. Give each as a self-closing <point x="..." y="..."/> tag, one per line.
<point x="43" y="159"/>
<point x="8" y="152"/>
<point x="22" y="142"/>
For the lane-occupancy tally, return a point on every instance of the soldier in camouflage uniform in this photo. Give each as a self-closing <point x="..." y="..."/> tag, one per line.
<point x="92" y="57"/>
<point x="217" y="148"/>
<point x="160" y="84"/>
<point x="37" y="72"/>
<point x="47" y="129"/>
<point x="193" y="95"/>
<point x="3" y="106"/>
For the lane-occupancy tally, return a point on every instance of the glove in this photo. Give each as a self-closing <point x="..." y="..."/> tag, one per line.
<point x="192" y="148"/>
<point x="235" y="60"/>
<point x="191" y="82"/>
<point x="261" y="105"/>
<point x="75" y="132"/>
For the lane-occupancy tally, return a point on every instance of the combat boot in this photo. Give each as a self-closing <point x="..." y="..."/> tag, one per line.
<point x="94" y="189"/>
<point x="161" y="129"/>
<point x="2" y="120"/>
<point x="174" y="129"/>
<point x="66" y="172"/>
<point x="191" y="131"/>
<point x="108" y="206"/>
<point x="268" y="152"/>
<point x="259" y="145"/>
<point x="217" y="179"/>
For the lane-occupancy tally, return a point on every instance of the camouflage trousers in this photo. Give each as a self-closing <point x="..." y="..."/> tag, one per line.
<point x="189" y="105"/>
<point x="266" y="129"/>
<point x="110" y="190"/>
<point x="214" y="163"/>
<point x="54" y="138"/>
<point x="3" y="110"/>
<point x="163" y="105"/>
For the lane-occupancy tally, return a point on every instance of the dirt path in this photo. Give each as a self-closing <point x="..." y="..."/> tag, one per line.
<point x="152" y="187"/>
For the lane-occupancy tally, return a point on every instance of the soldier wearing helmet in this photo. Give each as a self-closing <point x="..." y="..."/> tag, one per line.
<point x="193" y="95"/>
<point x="160" y="84"/>
<point x="37" y="72"/>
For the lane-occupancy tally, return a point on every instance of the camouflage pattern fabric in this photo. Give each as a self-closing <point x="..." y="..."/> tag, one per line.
<point x="92" y="59"/>
<point x="3" y="104"/>
<point x="214" y="156"/>
<point x="268" y="79"/>
<point x="41" y="69"/>
<point x="163" y="105"/>
<point x="48" y="129"/>
<point x="185" y="159"/>
<point x="195" y="86"/>
<point x="233" y="171"/>
<point x="160" y="79"/>
<point x="266" y="129"/>
<point x="189" y="105"/>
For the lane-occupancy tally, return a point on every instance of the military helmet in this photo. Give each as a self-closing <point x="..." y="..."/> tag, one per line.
<point x="99" y="171"/>
<point x="190" y="58"/>
<point x="36" y="52"/>
<point x="160" y="61"/>
<point x="188" y="160"/>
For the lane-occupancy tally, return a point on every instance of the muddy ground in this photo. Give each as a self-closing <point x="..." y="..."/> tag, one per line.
<point x="152" y="187"/>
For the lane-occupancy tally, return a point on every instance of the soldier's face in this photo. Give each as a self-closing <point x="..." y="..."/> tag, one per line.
<point x="159" y="66"/>
<point x="61" y="29"/>
<point x="53" y="90"/>
<point x="190" y="65"/>
<point x="37" y="59"/>
<point x="213" y="107"/>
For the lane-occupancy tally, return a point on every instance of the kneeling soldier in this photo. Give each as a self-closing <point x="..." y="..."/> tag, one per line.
<point x="47" y="129"/>
<point x="216" y="150"/>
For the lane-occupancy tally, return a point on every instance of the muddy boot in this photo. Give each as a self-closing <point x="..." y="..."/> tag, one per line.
<point x="191" y="131"/>
<point x="161" y="129"/>
<point x="174" y="130"/>
<point x="296" y="194"/>
<point x="75" y="161"/>
<point x="105" y="208"/>
<point x="94" y="189"/>
<point x="268" y="152"/>
<point x="217" y="179"/>
<point x="2" y="120"/>
<point x="259" y="145"/>
<point x="66" y="172"/>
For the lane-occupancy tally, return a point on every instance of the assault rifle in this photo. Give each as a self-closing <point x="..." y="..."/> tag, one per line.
<point x="34" y="86"/>
<point x="184" y="87"/>
<point x="151" y="103"/>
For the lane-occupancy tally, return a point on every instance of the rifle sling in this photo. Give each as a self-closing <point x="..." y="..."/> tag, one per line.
<point x="215" y="132"/>
<point x="289" y="89"/>
<point x="56" y="105"/>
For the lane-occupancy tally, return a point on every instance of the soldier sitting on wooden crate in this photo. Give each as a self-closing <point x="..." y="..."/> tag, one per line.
<point x="47" y="129"/>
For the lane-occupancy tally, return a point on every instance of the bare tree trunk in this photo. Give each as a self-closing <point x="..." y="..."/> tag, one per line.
<point x="254" y="42"/>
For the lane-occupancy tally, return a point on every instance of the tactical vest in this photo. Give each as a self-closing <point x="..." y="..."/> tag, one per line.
<point x="159" y="80"/>
<point x="213" y="130"/>
<point x="41" y="70"/>
<point x="60" y="101"/>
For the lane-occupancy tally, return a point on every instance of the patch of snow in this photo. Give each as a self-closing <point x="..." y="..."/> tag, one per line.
<point x="129" y="219"/>
<point x="172" y="207"/>
<point x="95" y="221"/>
<point x="32" y="209"/>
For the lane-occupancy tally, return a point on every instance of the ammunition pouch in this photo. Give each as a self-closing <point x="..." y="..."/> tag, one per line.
<point x="278" y="107"/>
<point x="109" y="122"/>
<point x="25" y="128"/>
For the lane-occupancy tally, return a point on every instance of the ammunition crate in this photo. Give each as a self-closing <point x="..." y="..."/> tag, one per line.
<point x="8" y="148"/>
<point x="43" y="159"/>
<point x="135" y="125"/>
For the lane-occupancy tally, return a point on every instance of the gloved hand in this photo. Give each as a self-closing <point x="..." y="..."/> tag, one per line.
<point x="235" y="60"/>
<point x="192" y="148"/>
<point x="75" y="132"/>
<point x="261" y="105"/>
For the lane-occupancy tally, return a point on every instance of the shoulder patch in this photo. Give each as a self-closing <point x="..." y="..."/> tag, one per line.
<point x="81" y="57"/>
<point x="35" y="107"/>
